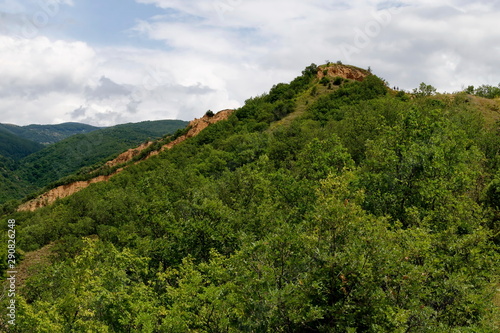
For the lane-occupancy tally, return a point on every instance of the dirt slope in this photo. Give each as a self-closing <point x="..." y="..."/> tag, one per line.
<point x="346" y="72"/>
<point x="128" y="155"/>
<point x="195" y="127"/>
<point x="59" y="192"/>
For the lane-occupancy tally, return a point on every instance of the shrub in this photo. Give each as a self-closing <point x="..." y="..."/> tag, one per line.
<point x="324" y="81"/>
<point x="338" y="81"/>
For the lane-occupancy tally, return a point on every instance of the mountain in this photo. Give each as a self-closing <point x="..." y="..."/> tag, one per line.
<point x="329" y="204"/>
<point x="10" y="184"/>
<point x="65" y="157"/>
<point x="16" y="147"/>
<point x="48" y="134"/>
<point x="69" y="185"/>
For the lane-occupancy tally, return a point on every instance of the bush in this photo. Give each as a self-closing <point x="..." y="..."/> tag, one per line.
<point x="338" y="81"/>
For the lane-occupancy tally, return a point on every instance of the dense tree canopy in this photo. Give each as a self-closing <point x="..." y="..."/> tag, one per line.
<point x="351" y="211"/>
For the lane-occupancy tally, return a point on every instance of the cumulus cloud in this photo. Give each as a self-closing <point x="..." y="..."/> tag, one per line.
<point x="42" y="66"/>
<point x="46" y="81"/>
<point x="444" y="42"/>
<point x="215" y="54"/>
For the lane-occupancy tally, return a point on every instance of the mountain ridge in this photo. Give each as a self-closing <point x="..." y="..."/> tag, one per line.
<point x="63" y="191"/>
<point x="327" y="204"/>
<point x="66" y="157"/>
<point x="48" y="134"/>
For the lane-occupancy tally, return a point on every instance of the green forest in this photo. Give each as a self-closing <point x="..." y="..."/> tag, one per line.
<point x="40" y="168"/>
<point x="47" y="134"/>
<point x="320" y="206"/>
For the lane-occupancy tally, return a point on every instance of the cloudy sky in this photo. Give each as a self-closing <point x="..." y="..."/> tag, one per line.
<point x="105" y="62"/>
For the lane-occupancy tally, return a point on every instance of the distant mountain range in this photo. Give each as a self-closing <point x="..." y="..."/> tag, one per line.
<point x="17" y="142"/>
<point x="47" y="134"/>
<point x="33" y="156"/>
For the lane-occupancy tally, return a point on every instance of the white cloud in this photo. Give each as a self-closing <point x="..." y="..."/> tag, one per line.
<point x="441" y="42"/>
<point x="218" y="53"/>
<point x="48" y="81"/>
<point x="40" y="65"/>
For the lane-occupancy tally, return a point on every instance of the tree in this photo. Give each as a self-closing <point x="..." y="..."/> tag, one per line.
<point x="470" y="90"/>
<point x="311" y="70"/>
<point x="424" y="90"/>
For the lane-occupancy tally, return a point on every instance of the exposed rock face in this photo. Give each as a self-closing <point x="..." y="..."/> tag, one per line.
<point x="346" y="72"/>
<point x="59" y="192"/>
<point x="128" y="155"/>
<point x="195" y="127"/>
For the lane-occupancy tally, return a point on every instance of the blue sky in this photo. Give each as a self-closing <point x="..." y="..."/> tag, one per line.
<point x="114" y="61"/>
<point x="109" y="22"/>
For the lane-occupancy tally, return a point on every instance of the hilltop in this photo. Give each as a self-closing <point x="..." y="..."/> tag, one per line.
<point x="332" y="203"/>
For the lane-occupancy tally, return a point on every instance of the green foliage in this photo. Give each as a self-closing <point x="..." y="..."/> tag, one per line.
<point x="310" y="71"/>
<point x="48" y="134"/>
<point x="486" y="91"/>
<point x="15" y="147"/>
<point x="424" y="90"/>
<point x="284" y="91"/>
<point x="403" y="96"/>
<point x="493" y="192"/>
<point x="88" y="296"/>
<point x="281" y="91"/>
<point x="314" y="91"/>
<point x="419" y="164"/>
<point x="338" y="81"/>
<point x="331" y="106"/>
<point x="366" y="212"/>
<point x="66" y="157"/>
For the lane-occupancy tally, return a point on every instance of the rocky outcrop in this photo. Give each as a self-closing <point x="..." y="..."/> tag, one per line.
<point x="128" y="155"/>
<point x="346" y="72"/>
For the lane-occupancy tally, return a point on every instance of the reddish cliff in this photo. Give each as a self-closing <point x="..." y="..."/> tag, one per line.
<point x="346" y="72"/>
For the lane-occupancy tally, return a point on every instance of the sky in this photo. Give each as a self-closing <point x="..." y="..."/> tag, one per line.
<point x="106" y="62"/>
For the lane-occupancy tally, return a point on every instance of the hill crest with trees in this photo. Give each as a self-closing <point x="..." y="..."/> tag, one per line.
<point x="331" y="205"/>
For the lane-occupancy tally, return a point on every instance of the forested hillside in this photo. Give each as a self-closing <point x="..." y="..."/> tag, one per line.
<point x="48" y="134"/>
<point x="9" y="183"/>
<point x="328" y="204"/>
<point x="15" y="147"/>
<point x="66" y="157"/>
